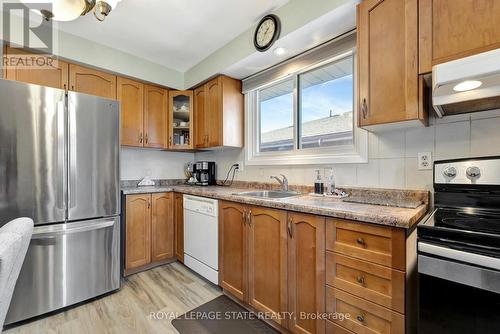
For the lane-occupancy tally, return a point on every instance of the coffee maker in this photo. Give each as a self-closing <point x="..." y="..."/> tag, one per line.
<point x="205" y="172"/>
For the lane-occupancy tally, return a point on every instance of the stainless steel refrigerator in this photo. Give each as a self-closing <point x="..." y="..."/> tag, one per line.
<point x="59" y="165"/>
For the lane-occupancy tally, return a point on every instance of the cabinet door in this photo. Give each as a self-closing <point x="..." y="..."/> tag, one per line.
<point x="138" y="230"/>
<point x="452" y="29"/>
<point x="162" y="226"/>
<point x="179" y="226"/>
<point x="200" y="128"/>
<point x="55" y="76"/>
<point x="180" y="120"/>
<point x="387" y="60"/>
<point x="267" y="261"/>
<point x="155" y="117"/>
<point x="131" y="96"/>
<point x="93" y="82"/>
<point x="306" y="271"/>
<point x="213" y="120"/>
<point x="232" y="249"/>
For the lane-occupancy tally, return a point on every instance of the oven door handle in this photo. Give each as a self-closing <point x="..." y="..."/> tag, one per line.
<point x="461" y="256"/>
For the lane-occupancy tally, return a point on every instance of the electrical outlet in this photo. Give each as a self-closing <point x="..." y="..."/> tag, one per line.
<point x="241" y="166"/>
<point x="424" y="160"/>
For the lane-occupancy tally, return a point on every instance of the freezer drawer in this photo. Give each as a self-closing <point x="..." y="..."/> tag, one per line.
<point x="67" y="264"/>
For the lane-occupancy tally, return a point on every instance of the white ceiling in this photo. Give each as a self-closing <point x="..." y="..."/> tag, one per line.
<point x="175" y="33"/>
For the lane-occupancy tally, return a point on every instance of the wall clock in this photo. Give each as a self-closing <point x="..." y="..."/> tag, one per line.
<point x="267" y="32"/>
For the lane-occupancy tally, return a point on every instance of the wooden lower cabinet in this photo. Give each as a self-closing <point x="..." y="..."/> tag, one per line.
<point x="274" y="261"/>
<point x="267" y="261"/>
<point x="306" y="272"/>
<point x="138" y="231"/>
<point x="233" y="249"/>
<point x="162" y="226"/>
<point x="362" y="316"/>
<point x="149" y="230"/>
<point x="179" y="226"/>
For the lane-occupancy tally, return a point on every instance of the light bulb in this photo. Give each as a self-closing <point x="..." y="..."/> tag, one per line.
<point x="61" y="10"/>
<point x="467" y="85"/>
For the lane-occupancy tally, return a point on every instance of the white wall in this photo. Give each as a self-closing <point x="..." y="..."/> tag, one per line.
<point x="392" y="155"/>
<point x="136" y="162"/>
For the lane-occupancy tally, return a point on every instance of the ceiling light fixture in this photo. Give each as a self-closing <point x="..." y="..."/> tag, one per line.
<point x="280" y="51"/>
<point x="69" y="10"/>
<point x="467" y="85"/>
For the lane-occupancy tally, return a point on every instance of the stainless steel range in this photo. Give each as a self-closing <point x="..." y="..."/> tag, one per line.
<point x="459" y="250"/>
<point x="59" y="165"/>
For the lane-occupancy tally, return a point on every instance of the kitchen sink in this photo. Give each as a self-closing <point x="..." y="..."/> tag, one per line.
<point x="268" y="194"/>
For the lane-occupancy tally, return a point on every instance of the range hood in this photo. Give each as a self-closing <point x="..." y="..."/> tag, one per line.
<point x="467" y="85"/>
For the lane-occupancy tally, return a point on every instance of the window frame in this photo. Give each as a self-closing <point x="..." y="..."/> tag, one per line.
<point x="352" y="153"/>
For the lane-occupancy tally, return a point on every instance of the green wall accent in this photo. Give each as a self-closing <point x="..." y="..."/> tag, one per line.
<point x="293" y="15"/>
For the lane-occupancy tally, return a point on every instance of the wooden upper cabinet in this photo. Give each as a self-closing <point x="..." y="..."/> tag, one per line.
<point x="267" y="261"/>
<point x="387" y="62"/>
<point x="138" y="231"/>
<point x="131" y="96"/>
<point x="219" y="113"/>
<point x="214" y="110"/>
<point x="180" y="120"/>
<point x="155" y="116"/>
<point x="55" y="76"/>
<point x="179" y="226"/>
<point x="162" y="226"/>
<point x="452" y="29"/>
<point x="93" y="82"/>
<point x="306" y="271"/>
<point x="200" y="127"/>
<point x="233" y="249"/>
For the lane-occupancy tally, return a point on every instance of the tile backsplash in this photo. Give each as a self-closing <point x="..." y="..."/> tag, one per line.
<point x="392" y="155"/>
<point x="137" y="163"/>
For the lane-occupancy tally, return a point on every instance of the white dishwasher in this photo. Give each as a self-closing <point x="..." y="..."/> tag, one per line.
<point x="201" y="236"/>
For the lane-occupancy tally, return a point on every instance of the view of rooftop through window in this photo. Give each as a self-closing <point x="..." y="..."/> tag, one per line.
<point x="325" y="108"/>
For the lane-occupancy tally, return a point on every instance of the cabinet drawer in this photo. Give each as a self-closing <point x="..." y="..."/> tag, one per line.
<point x="331" y="328"/>
<point x="362" y="316"/>
<point x="377" y="244"/>
<point x="375" y="283"/>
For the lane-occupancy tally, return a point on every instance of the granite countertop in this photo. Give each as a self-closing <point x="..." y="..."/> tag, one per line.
<point x="384" y="214"/>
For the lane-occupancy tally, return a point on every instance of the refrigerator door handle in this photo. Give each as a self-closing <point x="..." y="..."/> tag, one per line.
<point x="61" y="155"/>
<point x="54" y="230"/>
<point x="72" y="153"/>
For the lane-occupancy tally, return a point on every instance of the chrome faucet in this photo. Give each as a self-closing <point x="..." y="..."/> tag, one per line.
<point x="283" y="183"/>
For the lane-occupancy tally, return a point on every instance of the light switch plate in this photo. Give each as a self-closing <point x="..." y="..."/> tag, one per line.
<point x="424" y="161"/>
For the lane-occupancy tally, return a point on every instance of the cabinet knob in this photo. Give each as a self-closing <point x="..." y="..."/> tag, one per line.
<point x="170" y="141"/>
<point x="360" y="318"/>
<point x="364" y="108"/>
<point x="140" y="138"/>
<point x="361" y="280"/>
<point x="244" y="216"/>
<point x="250" y="218"/>
<point x="360" y="241"/>
<point x="146" y="138"/>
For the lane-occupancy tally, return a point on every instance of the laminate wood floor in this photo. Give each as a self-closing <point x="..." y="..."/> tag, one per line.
<point x="166" y="291"/>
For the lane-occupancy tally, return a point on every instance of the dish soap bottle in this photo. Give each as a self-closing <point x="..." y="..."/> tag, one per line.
<point x="319" y="187"/>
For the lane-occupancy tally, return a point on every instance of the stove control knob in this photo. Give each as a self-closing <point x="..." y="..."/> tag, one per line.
<point x="473" y="173"/>
<point x="450" y="172"/>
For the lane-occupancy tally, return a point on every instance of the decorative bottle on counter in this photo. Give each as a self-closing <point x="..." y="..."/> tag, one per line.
<point x="319" y="187"/>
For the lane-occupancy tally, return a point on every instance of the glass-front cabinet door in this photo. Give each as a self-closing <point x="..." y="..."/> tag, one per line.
<point x="181" y="120"/>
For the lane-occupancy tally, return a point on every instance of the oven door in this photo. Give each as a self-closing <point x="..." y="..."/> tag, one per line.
<point x="459" y="292"/>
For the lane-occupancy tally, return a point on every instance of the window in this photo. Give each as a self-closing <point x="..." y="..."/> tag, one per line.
<point x="276" y="117"/>
<point x="302" y="111"/>
<point x="326" y="105"/>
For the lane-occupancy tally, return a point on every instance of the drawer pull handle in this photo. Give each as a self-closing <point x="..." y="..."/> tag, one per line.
<point x="361" y="241"/>
<point x="360" y="318"/>
<point x="361" y="280"/>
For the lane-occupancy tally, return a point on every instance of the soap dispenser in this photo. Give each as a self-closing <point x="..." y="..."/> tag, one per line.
<point x="319" y="187"/>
